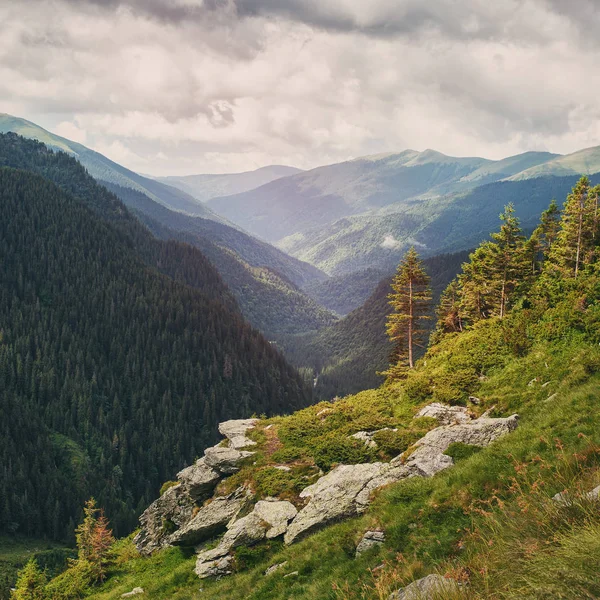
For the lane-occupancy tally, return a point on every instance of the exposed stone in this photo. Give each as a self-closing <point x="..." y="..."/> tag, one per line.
<point x="432" y="587"/>
<point x="225" y="460"/>
<point x="272" y="569"/>
<point x="368" y="437"/>
<point x="282" y="468"/>
<point x="474" y="400"/>
<point x="346" y="490"/>
<point x="199" y="479"/>
<point x="444" y="414"/>
<point x="563" y="497"/>
<point x="332" y="497"/>
<point x="235" y="431"/>
<point x="292" y="574"/>
<point x="369" y="540"/>
<point x="214" y="568"/>
<point x="428" y="458"/>
<point x="134" y="592"/>
<point x="268" y="519"/>
<point x="166" y="514"/>
<point x="211" y="519"/>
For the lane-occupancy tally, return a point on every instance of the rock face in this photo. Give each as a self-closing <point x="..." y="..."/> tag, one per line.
<point x="432" y="587"/>
<point x="268" y="519"/>
<point x="346" y="490"/>
<point x="369" y="540"/>
<point x="429" y="458"/>
<point x="199" y="479"/>
<point x="225" y="460"/>
<point x="444" y="414"/>
<point x="235" y="432"/>
<point x="172" y="510"/>
<point x="176" y="517"/>
<point x="563" y="498"/>
<point x="274" y="568"/>
<point x="215" y="568"/>
<point x="211" y="519"/>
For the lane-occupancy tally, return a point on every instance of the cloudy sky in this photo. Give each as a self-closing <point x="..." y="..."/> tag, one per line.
<point x="193" y="86"/>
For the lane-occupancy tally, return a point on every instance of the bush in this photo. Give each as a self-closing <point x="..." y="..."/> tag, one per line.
<point x="393" y="443"/>
<point x="166" y="485"/>
<point x="335" y="449"/>
<point x="459" y="451"/>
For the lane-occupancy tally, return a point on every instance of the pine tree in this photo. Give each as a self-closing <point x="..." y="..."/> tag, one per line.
<point x="410" y="301"/>
<point x="575" y="244"/>
<point x="30" y="583"/>
<point x="448" y="311"/>
<point x="509" y="262"/>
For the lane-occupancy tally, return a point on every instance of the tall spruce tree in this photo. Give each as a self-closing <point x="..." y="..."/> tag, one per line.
<point x="538" y="245"/>
<point x="508" y="264"/>
<point x="410" y="301"/>
<point x="575" y="245"/>
<point x="30" y="583"/>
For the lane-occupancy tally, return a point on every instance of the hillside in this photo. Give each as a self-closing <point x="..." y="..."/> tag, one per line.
<point x="479" y="468"/>
<point x="346" y="357"/>
<point x="102" y="168"/>
<point x="439" y="225"/>
<point x="583" y="162"/>
<point x="321" y="196"/>
<point x="265" y="281"/>
<point x="113" y="374"/>
<point x="205" y="187"/>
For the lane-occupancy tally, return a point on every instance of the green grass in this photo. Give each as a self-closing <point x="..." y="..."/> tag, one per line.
<point x="428" y="522"/>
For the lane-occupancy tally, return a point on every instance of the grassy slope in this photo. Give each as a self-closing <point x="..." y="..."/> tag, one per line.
<point x="553" y="387"/>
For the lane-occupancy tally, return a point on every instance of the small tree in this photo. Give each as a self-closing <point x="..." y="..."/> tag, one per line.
<point x="30" y="583"/>
<point x="94" y="540"/>
<point x="410" y="301"/>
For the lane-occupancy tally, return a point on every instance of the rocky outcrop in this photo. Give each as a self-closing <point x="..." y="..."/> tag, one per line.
<point x="274" y="568"/>
<point x="225" y="460"/>
<point x="217" y="567"/>
<point x="235" y="432"/>
<point x="428" y="458"/>
<point x="346" y="490"/>
<point x="134" y="592"/>
<point x="171" y="511"/>
<point x="369" y="540"/>
<point x="268" y="519"/>
<point x="432" y="587"/>
<point x="177" y="517"/>
<point x="199" y="480"/>
<point x="211" y="519"/>
<point x="444" y="414"/>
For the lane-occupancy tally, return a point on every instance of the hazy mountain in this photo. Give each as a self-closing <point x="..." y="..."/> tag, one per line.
<point x="102" y="168"/>
<point x="446" y="224"/>
<point x="301" y="202"/>
<point x="205" y="187"/>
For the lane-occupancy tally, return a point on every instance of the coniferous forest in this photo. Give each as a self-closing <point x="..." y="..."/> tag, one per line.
<point x="119" y="354"/>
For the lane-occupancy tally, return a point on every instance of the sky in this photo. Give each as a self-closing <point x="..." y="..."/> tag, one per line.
<point x="172" y="87"/>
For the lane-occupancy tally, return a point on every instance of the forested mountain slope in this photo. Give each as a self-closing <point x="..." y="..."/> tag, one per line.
<point x="103" y="168"/>
<point x="446" y="224"/>
<point x="346" y="357"/>
<point x="265" y="281"/>
<point x="478" y="468"/>
<point x="114" y="375"/>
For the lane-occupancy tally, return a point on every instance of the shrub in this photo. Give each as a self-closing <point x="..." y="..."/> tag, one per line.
<point x="335" y="449"/>
<point x="459" y="451"/>
<point x="166" y="485"/>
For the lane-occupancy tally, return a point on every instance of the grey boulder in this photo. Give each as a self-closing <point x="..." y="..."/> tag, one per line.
<point x="235" y="431"/>
<point x="225" y="460"/>
<point x="369" y="540"/>
<point x="444" y="414"/>
<point x="432" y="587"/>
<point x="199" y="479"/>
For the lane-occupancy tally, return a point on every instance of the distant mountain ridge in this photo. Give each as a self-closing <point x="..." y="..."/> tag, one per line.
<point x="102" y="168"/>
<point x="205" y="187"/>
<point x="368" y="185"/>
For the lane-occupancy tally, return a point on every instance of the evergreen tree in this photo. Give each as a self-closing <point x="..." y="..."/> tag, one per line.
<point x="30" y="583"/>
<point x="449" y="318"/>
<point x="508" y="263"/>
<point x="410" y="301"/>
<point x="575" y="245"/>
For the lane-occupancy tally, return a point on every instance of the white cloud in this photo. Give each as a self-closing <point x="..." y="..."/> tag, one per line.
<point x="182" y="86"/>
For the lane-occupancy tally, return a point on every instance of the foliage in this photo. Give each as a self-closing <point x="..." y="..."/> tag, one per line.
<point x="30" y="583"/>
<point x="119" y="354"/>
<point x="410" y="301"/>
